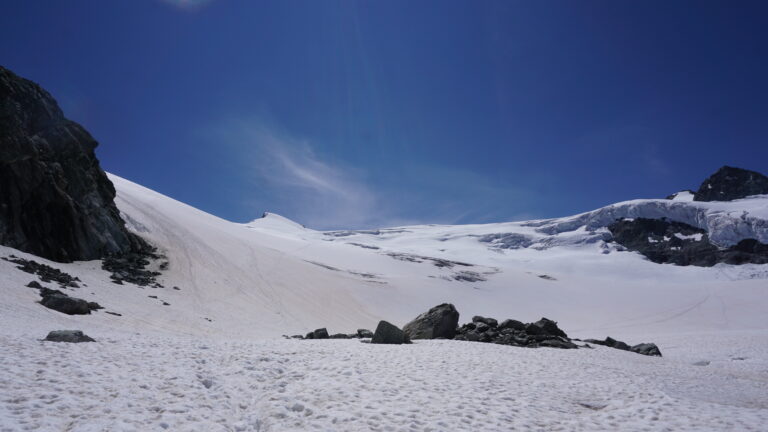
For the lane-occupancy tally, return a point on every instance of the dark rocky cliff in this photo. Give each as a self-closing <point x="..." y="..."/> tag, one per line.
<point x="55" y="200"/>
<point x="730" y="183"/>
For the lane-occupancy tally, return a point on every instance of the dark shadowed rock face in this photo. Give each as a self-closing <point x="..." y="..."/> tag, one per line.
<point x="438" y="322"/>
<point x="55" y="201"/>
<point x="730" y="183"/>
<point x="664" y="241"/>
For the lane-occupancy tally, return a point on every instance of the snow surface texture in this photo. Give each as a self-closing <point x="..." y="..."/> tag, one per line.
<point x="210" y="360"/>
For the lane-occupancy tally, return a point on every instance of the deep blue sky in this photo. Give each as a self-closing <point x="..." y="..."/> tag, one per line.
<point x="359" y="114"/>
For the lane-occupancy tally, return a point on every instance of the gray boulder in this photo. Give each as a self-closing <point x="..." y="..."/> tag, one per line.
<point x="364" y="333"/>
<point x="387" y="333"/>
<point x="66" y="304"/>
<point x="320" y="333"/>
<point x="73" y="336"/>
<point x="438" y="322"/>
<point x="649" y="349"/>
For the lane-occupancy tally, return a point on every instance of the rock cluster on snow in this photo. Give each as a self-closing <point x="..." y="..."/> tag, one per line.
<point x="45" y="272"/>
<point x="131" y="267"/>
<point x="542" y="333"/>
<point x="730" y="183"/>
<point x="55" y="200"/>
<point x="322" y="333"/>
<point x="71" y="336"/>
<point x="441" y="322"/>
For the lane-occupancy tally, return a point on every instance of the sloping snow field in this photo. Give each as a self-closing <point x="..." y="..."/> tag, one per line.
<point x="213" y="358"/>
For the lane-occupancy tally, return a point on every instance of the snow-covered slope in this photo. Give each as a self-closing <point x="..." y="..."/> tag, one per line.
<point x="273" y="276"/>
<point x="211" y="360"/>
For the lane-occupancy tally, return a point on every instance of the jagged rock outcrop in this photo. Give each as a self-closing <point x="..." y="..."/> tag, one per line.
<point x="730" y="183"/>
<point x="664" y="241"/>
<point x="55" y="200"/>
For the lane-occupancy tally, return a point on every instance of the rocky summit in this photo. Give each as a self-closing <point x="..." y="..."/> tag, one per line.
<point x="55" y="200"/>
<point x="730" y="183"/>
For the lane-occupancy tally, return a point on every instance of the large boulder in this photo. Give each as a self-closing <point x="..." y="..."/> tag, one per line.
<point x="72" y="336"/>
<point x="55" y="200"/>
<point x="730" y="183"/>
<point x="66" y="304"/>
<point x="438" y="322"/>
<point x="320" y="333"/>
<point x="387" y="333"/>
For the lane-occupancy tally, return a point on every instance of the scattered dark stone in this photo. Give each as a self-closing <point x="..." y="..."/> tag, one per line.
<point x="55" y="200"/>
<point x="387" y="333"/>
<point x="152" y="296"/>
<point x="73" y="284"/>
<point x="35" y="284"/>
<point x="438" y="322"/>
<point x="364" y="333"/>
<point x="547" y="277"/>
<point x="72" y="336"/>
<point x="177" y="288"/>
<point x="114" y="313"/>
<point x="490" y="322"/>
<point x="468" y="276"/>
<point x="664" y="241"/>
<point x="730" y="183"/>
<point x="438" y="262"/>
<point x="131" y="267"/>
<point x="166" y="304"/>
<point x="45" y="272"/>
<point x="320" y="333"/>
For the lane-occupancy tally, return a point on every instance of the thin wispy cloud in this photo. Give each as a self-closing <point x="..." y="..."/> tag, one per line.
<point x="289" y="176"/>
<point x="315" y="191"/>
<point x="188" y="5"/>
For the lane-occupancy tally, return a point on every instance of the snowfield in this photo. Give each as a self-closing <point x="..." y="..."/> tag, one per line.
<point x="212" y="359"/>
